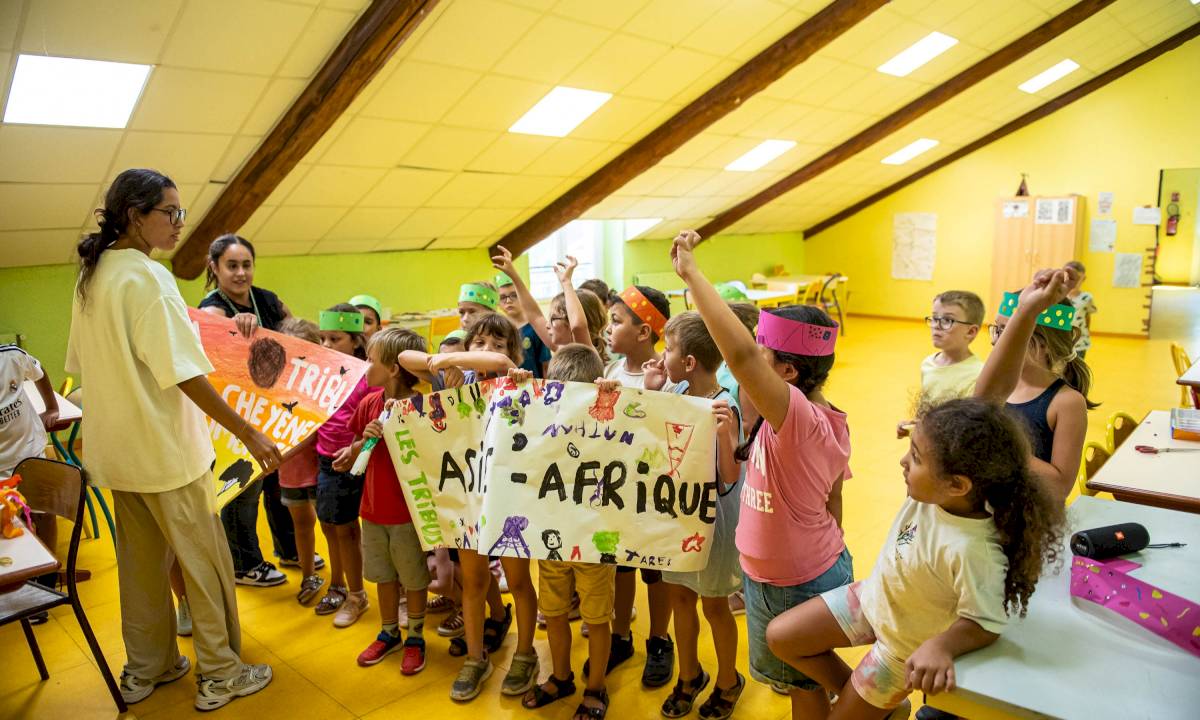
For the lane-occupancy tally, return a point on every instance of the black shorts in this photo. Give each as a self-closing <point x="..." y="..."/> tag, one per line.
<point x="648" y="576"/>
<point x="339" y="495"/>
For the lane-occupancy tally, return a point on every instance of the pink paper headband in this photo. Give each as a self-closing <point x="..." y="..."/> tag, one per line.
<point x="797" y="338"/>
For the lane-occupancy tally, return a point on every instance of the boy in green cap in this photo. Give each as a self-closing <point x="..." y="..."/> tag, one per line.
<point x="475" y="299"/>
<point x="537" y="354"/>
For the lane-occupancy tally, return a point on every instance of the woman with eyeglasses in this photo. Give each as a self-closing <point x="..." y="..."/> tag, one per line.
<point x="230" y="274"/>
<point x="133" y="346"/>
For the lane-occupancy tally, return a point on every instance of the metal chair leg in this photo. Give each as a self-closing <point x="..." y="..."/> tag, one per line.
<point x="33" y="648"/>
<point x="101" y="663"/>
<point x="112" y="530"/>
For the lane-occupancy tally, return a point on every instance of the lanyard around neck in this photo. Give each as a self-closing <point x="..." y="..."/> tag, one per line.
<point x="233" y="308"/>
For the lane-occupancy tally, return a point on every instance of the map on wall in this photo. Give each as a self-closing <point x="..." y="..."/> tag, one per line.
<point x="914" y="245"/>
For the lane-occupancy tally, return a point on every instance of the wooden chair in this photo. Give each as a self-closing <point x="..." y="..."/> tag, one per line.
<point x="1188" y="398"/>
<point x="1094" y="456"/>
<point x="1120" y="426"/>
<point x="812" y="293"/>
<point x="56" y="488"/>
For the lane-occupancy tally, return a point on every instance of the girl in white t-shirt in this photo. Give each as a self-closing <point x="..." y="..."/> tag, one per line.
<point x="964" y="553"/>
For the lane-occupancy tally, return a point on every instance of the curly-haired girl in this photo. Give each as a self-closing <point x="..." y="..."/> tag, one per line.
<point x="964" y="553"/>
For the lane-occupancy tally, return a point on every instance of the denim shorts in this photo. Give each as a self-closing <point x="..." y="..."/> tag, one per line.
<point x="338" y="494"/>
<point x="766" y="602"/>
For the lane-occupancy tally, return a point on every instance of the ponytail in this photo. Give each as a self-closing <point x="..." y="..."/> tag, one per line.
<point x="136" y="189"/>
<point x="1079" y="376"/>
<point x="981" y="441"/>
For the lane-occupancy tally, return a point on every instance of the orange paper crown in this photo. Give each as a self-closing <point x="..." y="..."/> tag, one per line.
<point x="644" y="309"/>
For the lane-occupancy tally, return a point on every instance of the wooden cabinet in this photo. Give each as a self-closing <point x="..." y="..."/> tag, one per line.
<point x="1032" y="233"/>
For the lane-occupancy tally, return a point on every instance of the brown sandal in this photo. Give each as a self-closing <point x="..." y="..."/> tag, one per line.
<point x="721" y="703"/>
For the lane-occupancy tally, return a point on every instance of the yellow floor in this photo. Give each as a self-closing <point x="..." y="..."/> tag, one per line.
<point x="315" y="672"/>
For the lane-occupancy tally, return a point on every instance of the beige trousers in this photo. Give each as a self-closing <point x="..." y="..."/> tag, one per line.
<point x="152" y="530"/>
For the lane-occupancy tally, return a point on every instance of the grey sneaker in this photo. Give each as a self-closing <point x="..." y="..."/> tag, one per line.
<point x="522" y="674"/>
<point x="470" y="679"/>
<point x="135" y="689"/>
<point x="212" y="694"/>
<point x="183" y="619"/>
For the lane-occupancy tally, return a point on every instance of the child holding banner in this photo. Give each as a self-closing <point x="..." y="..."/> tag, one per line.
<point x="638" y="317"/>
<point x="392" y="555"/>
<point x="691" y="360"/>
<point x="593" y="582"/>
<point x="798" y="452"/>
<point x="338" y="492"/>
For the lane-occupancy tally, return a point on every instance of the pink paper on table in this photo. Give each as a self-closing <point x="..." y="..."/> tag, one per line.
<point x="1108" y="584"/>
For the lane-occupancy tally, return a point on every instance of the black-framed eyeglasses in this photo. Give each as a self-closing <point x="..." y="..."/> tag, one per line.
<point x="176" y="215"/>
<point x="943" y="322"/>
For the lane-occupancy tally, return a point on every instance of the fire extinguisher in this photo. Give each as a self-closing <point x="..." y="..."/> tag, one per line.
<point x="1173" y="214"/>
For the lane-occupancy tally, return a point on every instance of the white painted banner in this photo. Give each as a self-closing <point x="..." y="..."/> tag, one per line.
<point x="560" y="471"/>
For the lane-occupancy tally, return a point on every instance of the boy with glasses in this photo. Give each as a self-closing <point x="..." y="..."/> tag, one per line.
<point x="951" y="372"/>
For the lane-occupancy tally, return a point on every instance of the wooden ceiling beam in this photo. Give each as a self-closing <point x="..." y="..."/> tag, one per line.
<point x="361" y="54"/>
<point x="1011" y="127"/>
<point x="966" y="79"/>
<point x="722" y="99"/>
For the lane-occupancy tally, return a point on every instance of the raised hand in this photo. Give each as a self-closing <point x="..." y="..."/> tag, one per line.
<point x="565" y="269"/>
<point x="682" y="258"/>
<point x="1047" y="288"/>
<point x="503" y="261"/>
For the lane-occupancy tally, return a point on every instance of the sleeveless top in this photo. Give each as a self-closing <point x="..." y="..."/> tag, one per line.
<point x="263" y="303"/>
<point x="1033" y="415"/>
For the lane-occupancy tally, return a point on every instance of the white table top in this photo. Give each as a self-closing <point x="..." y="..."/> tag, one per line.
<point x="1074" y="659"/>
<point x="67" y="410"/>
<point x="1192" y="376"/>
<point x="1141" y="477"/>
<point x="20" y="555"/>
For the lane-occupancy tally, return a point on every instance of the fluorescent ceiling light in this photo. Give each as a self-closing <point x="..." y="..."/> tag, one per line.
<point x="68" y="91"/>
<point x="919" y="53"/>
<point x="763" y="153"/>
<point x="909" y="151"/>
<point x="637" y="226"/>
<point x="560" y="112"/>
<point x="1046" y="77"/>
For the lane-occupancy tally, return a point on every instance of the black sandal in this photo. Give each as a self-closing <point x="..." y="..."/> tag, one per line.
<point x="593" y="713"/>
<point x="458" y="647"/>
<point x="542" y="697"/>
<point x="494" y="631"/>
<point x="720" y="704"/>
<point x="683" y="696"/>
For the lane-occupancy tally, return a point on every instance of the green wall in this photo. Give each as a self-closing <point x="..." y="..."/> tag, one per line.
<point x="36" y="301"/>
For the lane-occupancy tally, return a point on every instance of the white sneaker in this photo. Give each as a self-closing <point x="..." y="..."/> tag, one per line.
<point x="135" y="689"/>
<point x="212" y="694"/>
<point x="183" y="618"/>
<point x="356" y="604"/>
<point x="265" y="575"/>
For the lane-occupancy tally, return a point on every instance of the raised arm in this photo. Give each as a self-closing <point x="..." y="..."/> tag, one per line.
<point x="417" y="363"/>
<point x="575" y="315"/>
<point x="480" y="361"/>
<point x="769" y="393"/>
<point x="1002" y="370"/>
<point x="533" y="312"/>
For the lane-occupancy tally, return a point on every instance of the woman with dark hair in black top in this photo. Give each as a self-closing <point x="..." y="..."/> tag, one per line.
<point x="230" y="273"/>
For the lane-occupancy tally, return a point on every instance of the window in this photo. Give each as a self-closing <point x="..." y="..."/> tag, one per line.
<point x="582" y="239"/>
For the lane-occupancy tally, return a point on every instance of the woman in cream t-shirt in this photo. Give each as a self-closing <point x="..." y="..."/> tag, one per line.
<point x="134" y="347"/>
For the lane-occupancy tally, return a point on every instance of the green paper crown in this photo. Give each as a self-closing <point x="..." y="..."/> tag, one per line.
<point x="1056" y="316"/>
<point x="368" y="301"/>
<point x="731" y="293"/>
<point x="480" y="294"/>
<point x="459" y="335"/>
<point x="343" y="321"/>
<point x="503" y="279"/>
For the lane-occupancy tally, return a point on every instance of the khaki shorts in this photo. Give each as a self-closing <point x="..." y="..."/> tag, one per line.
<point x="593" y="582"/>
<point x="393" y="552"/>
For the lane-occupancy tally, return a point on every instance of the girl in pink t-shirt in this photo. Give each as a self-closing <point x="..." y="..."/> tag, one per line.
<point x="789" y="532"/>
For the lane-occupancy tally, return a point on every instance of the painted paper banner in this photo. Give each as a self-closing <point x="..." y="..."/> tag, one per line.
<point x="1109" y="584"/>
<point x="560" y="471"/>
<point x="283" y="386"/>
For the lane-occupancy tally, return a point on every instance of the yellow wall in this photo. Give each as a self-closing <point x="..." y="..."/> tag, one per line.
<point x="1175" y="252"/>
<point x="36" y="301"/>
<point x="1117" y="139"/>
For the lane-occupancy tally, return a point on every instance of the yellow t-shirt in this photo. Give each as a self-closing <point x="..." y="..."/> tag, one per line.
<point x="132" y="344"/>
<point x="947" y="382"/>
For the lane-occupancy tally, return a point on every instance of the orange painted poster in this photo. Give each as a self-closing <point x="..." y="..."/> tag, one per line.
<point x="283" y="386"/>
